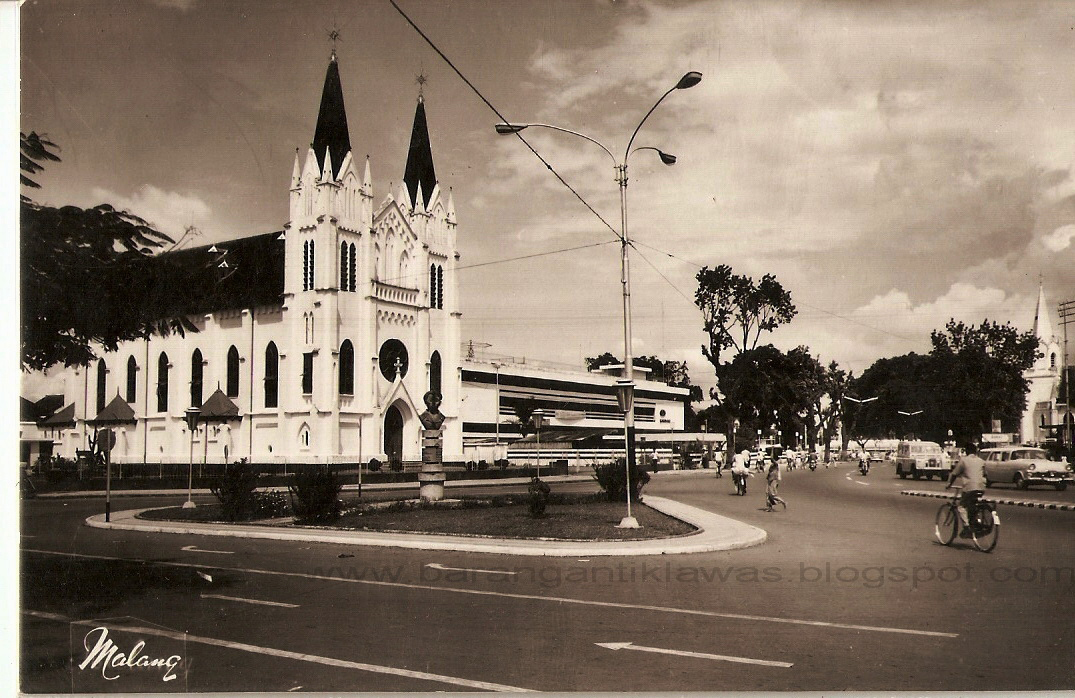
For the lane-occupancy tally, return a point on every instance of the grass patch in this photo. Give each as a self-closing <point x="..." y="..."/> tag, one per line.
<point x="569" y="516"/>
<point x="586" y="521"/>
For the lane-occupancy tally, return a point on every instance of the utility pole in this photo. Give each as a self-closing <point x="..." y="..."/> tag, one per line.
<point x="1067" y="316"/>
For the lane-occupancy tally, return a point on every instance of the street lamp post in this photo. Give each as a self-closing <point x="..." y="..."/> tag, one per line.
<point x="688" y="80"/>
<point x="191" y="416"/>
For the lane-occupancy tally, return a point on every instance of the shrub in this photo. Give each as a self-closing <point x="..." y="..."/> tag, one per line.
<point x="538" y="497"/>
<point x="611" y="477"/>
<point x="315" y="495"/>
<point x="375" y="465"/>
<point x="235" y="491"/>
<point x="483" y="465"/>
<point x="271" y="505"/>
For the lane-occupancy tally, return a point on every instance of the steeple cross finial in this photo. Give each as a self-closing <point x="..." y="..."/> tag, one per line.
<point x="421" y="79"/>
<point x="334" y="36"/>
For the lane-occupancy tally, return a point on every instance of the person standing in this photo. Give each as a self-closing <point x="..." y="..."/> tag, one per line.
<point x="772" y="484"/>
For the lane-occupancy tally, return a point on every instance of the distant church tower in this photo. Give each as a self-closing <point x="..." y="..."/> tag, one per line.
<point x="370" y="295"/>
<point x="1044" y="378"/>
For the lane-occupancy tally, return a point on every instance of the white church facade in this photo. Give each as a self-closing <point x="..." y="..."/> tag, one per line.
<point x="1045" y="406"/>
<point x="324" y="336"/>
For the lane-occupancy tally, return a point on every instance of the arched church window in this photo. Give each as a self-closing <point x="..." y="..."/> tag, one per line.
<point x="304" y="436"/>
<point x="196" y="378"/>
<point x="344" y="268"/>
<point x="102" y="375"/>
<point x="434" y="372"/>
<point x="233" y="372"/>
<point x="1052" y="360"/>
<point x="308" y="265"/>
<point x="162" y="383"/>
<point x="351" y="264"/>
<point x="347" y="368"/>
<point x="132" y="380"/>
<point x="440" y="287"/>
<point x="393" y="354"/>
<point x="272" y="375"/>
<point x="432" y="285"/>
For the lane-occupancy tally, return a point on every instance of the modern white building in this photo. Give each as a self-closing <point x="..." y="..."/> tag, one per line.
<point x="326" y="335"/>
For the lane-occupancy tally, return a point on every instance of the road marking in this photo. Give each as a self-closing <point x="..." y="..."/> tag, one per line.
<point x="525" y="597"/>
<point x="193" y="549"/>
<point x="255" y="601"/>
<point x="685" y="653"/>
<point x="438" y="566"/>
<point x="286" y="654"/>
<point x="860" y="482"/>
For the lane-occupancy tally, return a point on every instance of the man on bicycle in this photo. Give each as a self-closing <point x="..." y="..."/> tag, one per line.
<point x="972" y="469"/>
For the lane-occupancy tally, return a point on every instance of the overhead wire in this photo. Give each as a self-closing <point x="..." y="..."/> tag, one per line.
<point x="503" y="119"/>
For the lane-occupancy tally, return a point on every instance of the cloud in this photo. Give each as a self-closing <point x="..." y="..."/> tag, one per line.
<point x="1060" y="239"/>
<point x="169" y="212"/>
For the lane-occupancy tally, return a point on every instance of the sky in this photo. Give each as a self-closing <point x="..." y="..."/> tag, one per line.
<point x="893" y="164"/>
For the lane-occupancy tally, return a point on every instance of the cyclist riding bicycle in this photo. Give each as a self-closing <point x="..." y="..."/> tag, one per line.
<point x="971" y="468"/>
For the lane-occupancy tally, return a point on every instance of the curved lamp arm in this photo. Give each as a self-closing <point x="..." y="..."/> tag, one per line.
<point x="504" y="129"/>
<point x="688" y="80"/>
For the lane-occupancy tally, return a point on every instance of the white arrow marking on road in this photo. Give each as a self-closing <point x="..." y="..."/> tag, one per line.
<point x="193" y="549"/>
<point x="438" y="566"/>
<point x="255" y="601"/>
<point x="684" y="653"/>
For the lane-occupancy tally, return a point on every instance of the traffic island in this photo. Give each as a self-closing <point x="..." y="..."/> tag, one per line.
<point x="713" y="533"/>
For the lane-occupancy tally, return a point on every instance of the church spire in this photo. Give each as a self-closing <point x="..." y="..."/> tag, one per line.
<point x="1043" y="326"/>
<point x="331" y="132"/>
<point x="419" y="169"/>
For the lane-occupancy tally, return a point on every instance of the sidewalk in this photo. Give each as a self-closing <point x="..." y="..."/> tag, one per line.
<point x="715" y="533"/>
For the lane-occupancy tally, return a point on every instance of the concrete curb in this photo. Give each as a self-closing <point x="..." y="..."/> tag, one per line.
<point x="1033" y="504"/>
<point x="715" y="533"/>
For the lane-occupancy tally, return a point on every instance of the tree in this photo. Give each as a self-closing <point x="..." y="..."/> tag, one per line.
<point x="979" y="371"/>
<point x="735" y="311"/>
<point x="89" y="276"/>
<point x="834" y="384"/>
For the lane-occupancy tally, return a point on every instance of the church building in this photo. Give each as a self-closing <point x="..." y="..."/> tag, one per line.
<point x="317" y="342"/>
<point x="1044" y="414"/>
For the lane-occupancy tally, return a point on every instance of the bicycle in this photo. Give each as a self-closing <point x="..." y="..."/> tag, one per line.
<point x="984" y="523"/>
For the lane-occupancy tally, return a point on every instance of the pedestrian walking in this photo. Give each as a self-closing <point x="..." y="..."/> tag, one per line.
<point x="773" y="483"/>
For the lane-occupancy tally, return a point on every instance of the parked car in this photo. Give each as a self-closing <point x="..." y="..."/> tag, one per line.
<point x="921" y="459"/>
<point x="1024" y="466"/>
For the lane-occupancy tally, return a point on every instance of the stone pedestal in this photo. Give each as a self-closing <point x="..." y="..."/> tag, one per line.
<point x="431" y="479"/>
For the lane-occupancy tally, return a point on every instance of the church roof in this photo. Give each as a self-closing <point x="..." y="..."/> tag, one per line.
<point x="219" y="408"/>
<point x="331" y="131"/>
<point x="420" y="158"/>
<point x="253" y="275"/>
<point x="63" y="418"/>
<point x="115" y="412"/>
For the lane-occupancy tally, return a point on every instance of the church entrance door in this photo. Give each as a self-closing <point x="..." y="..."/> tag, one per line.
<point x="393" y="436"/>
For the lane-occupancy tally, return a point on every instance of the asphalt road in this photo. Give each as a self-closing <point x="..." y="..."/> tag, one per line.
<point x="850" y="592"/>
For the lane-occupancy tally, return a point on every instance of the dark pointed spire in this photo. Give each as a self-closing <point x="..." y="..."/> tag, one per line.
<point x="420" y="158"/>
<point x="331" y="131"/>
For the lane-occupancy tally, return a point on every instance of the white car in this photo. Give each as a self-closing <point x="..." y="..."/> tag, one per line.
<point x="1024" y="466"/>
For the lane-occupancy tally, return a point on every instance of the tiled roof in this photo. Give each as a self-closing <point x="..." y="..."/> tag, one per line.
<point x="115" y="412"/>
<point x="219" y="408"/>
<point x="253" y="275"/>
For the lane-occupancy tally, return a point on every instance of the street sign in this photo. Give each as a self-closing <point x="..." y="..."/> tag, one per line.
<point x="997" y="438"/>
